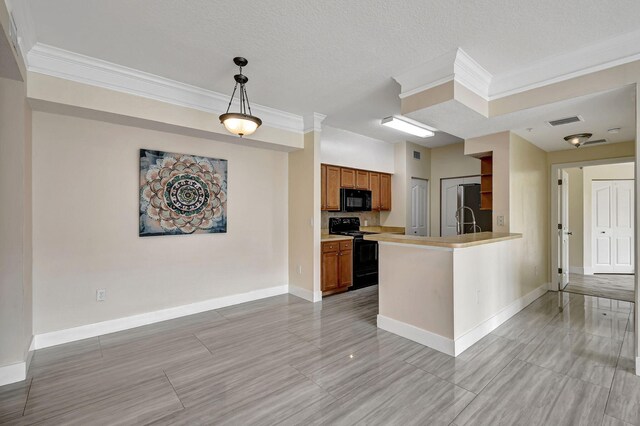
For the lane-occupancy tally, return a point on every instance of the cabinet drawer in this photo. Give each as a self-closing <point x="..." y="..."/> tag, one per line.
<point x="346" y="245"/>
<point x="330" y="246"/>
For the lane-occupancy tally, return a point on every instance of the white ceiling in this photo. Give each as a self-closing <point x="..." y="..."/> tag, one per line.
<point x="332" y="57"/>
<point x="600" y="111"/>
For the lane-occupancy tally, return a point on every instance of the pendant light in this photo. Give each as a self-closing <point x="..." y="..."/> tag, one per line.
<point x="578" y="139"/>
<point x="240" y="123"/>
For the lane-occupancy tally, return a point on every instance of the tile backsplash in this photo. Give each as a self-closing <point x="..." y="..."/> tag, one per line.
<point x="372" y="218"/>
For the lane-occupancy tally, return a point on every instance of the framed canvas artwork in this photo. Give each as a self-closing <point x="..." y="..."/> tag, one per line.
<point x="182" y="194"/>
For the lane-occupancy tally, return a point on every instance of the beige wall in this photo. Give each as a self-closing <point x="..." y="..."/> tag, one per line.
<point x="398" y="214"/>
<point x="447" y="162"/>
<point x="576" y="219"/>
<point x="498" y="144"/>
<point x="529" y="210"/>
<point x="85" y="225"/>
<point x="588" y="153"/>
<point x="69" y="97"/>
<point x="15" y="226"/>
<point x="304" y="216"/>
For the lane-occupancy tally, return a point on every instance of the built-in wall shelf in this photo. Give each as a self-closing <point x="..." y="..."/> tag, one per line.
<point x="486" y="183"/>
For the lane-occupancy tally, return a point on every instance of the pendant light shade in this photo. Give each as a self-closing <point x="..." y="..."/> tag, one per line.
<point x="240" y="123"/>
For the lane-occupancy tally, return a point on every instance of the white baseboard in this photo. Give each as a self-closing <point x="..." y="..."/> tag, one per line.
<point x="459" y="345"/>
<point x="552" y="286"/>
<point x="576" y="270"/>
<point x="467" y="340"/>
<point x="587" y="271"/>
<point x="424" y="337"/>
<point x="53" y="338"/>
<point x="303" y="293"/>
<point x="13" y="373"/>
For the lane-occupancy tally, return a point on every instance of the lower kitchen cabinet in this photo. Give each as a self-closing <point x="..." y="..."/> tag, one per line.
<point x="337" y="266"/>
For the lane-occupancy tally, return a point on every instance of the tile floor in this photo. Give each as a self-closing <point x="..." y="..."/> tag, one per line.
<point x="612" y="286"/>
<point x="283" y="360"/>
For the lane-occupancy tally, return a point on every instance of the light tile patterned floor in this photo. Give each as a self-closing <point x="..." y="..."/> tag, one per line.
<point x="283" y="360"/>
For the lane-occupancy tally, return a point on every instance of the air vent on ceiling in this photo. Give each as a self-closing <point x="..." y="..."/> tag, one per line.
<point x="594" y="142"/>
<point x="566" y="120"/>
<point x="416" y="155"/>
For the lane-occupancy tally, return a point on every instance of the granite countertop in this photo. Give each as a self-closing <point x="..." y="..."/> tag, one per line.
<point x="332" y="237"/>
<point x="456" y="241"/>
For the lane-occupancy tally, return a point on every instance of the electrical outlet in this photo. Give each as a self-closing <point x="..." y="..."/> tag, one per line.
<point x="500" y="220"/>
<point x="300" y="269"/>
<point x="477" y="297"/>
<point x="101" y="295"/>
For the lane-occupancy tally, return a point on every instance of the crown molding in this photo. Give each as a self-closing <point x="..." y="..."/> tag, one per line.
<point x="61" y="63"/>
<point x="313" y="122"/>
<point x="586" y="60"/>
<point x="427" y="75"/>
<point x="471" y="74"/>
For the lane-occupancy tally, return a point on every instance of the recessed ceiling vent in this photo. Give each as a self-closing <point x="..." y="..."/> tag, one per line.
<point x="563" y="121"/>
<point x="594" y="142"/>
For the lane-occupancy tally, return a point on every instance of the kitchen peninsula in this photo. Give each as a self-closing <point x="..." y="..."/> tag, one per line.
<point x="449" y="292"/>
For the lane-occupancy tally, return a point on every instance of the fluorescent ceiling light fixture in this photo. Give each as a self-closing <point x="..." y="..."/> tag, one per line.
<point x="407" y="126"/>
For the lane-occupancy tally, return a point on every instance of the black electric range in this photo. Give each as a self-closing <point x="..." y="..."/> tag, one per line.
<point x="365" y="253"/>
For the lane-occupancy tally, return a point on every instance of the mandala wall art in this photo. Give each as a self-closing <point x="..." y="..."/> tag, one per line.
<point x="182" y="194"/>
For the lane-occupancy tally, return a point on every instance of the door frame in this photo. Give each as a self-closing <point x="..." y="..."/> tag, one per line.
<point x="554" y="285"/>
<point x="427" y="201"/>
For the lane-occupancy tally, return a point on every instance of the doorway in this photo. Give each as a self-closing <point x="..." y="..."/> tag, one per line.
<point x="594" y="213"/>
<point x="419" y="207"/>
<point x="449" y="202"/>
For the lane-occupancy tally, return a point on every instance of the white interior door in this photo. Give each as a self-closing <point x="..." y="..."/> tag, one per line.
<point x="419" y="207"/>
<point x="612" y="223"/>
<point x="449" y="203"/>
<point x="563" y="230"/>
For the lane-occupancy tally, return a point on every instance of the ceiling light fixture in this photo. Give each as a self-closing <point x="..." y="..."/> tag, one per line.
<point x="578" y="139"/>
<point x="408" y="126"/>
<point x="240" y="123"/>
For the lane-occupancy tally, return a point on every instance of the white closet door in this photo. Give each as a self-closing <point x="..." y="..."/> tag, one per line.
<point x="612" y="223"/>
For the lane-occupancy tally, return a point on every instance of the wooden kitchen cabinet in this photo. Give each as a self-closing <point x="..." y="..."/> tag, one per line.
<point x="374" y="186"/>
<point x="336" y="266"/>
<point x="330" y="186"/>
<point x="347" y="178"/>
<point x="334" y="177"/>
<point x="385" y="192"/>
<point x="362" y="179"/>
<point x="323" y="187"/>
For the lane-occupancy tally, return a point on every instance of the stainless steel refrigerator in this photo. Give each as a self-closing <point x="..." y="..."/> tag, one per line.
<point x="469" y="196"/>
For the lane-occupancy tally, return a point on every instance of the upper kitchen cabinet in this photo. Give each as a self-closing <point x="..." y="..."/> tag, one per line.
<point x="333" y="178"/>
<point x="374" y="186"/>
<point x="347" y="178"/>
<point x="330" y="186"/>
<point x="385" y="192"/>
<point x="323" y="187"/>
<point x="362" y="179"/>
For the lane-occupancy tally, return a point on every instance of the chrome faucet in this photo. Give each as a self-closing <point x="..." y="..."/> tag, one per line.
<point x="460" y="221"/>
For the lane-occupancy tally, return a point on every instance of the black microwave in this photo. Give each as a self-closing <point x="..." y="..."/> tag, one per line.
<point x="355" y="200"/>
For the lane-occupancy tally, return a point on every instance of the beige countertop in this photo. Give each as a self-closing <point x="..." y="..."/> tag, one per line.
<point x="456" y="241"/>
<point x="332" y="237"/>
